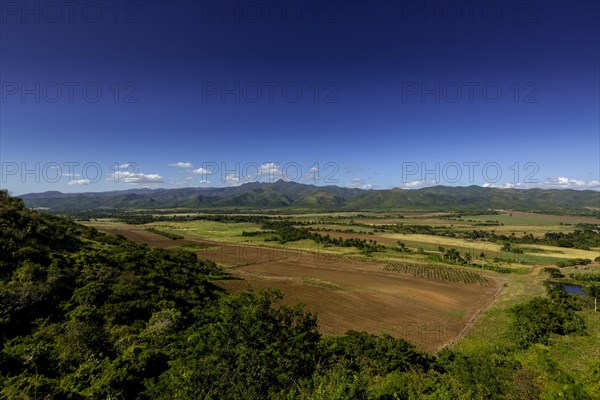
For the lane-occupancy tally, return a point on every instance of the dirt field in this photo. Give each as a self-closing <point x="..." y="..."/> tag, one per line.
<point x="562" y="218"/>
<point x="347" y="294"/>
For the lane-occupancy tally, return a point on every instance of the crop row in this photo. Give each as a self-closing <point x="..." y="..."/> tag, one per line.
<point x="437" y="273"/>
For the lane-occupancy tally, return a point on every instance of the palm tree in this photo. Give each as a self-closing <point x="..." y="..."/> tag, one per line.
<point x="468" y="258"/>
<point x="595" y="293"/>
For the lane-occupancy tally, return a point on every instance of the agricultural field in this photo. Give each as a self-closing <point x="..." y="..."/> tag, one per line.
<point x="347" y="294"/>
<point x="521" y="223"/>
<point x="432" y="289"/>
<point x="412" y="294"/>
<point x="439" y="273"/>
<point x="509" y="222"/>
<point x="479" y="246"/>
<point x="370" y="227"/>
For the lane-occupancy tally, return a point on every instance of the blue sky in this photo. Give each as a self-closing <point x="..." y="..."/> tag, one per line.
<point x="117" y="95"/>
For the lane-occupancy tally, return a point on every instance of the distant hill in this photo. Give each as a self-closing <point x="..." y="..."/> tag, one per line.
<point x="283" y="194"/>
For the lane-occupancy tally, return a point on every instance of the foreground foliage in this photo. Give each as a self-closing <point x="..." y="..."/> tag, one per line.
<point x="535" y="320"/>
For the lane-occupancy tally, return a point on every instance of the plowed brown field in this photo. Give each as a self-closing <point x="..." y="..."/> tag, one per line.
<point x="348" y="294"/>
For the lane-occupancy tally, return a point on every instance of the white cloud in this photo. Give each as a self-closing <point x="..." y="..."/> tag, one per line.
<point x="507" y="185"/>
<point x="312" y="176"/>
<point x="418" y="183"/>
<point x="204" y="181"/>
<point x="562" y="182"/>
<point x="233" y="180"/>
<point x="134" y="178"/>
<point x="517" y="185"/>
<point x="270" y="168"/>
<point x="181" y="164"/>
<point x="358" y="183"/>
<point x="269" y="171"/>
<point x="201" y="171"/>
<point x="79" y="182"/>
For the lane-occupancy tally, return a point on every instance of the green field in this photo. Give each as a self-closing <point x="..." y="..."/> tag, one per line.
<point x="209" y="230"/>
<point x="532" y="255"/>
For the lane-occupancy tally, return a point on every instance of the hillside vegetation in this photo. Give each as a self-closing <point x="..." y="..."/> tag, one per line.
<point x="283" y="195"/>
<point x="85" y="315"/>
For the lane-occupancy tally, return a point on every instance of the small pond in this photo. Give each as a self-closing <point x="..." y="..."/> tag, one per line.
<point x="574" y="289"/>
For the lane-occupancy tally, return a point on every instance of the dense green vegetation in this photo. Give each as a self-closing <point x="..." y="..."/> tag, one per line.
<point x="169" y="235"/>
<point x="85" y="315"/>
<point x="537" y="319"/>
<point x="286" y="231"/>
<point x="585" y="277"/>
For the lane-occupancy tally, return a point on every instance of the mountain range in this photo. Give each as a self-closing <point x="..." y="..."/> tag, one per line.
<point x="282" y="194"/>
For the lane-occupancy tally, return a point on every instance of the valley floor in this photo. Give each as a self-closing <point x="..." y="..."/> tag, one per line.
<point x="347" y="294"/>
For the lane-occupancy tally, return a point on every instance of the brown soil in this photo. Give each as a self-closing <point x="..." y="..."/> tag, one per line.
<point x="564" y="218"/>
<point x="347" y="294"/>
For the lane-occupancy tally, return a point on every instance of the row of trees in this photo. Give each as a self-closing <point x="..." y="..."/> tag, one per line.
<point x="287" y="231"/>
<point x="172" y="236"/>
<point x="584" y="237"/>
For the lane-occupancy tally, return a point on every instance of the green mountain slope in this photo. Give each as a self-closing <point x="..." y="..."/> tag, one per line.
<point x="282" y="194"/>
